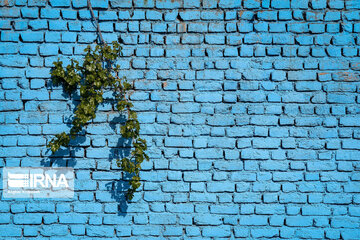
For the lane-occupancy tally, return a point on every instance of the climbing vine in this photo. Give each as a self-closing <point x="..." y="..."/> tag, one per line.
<point x="96" y="74"/>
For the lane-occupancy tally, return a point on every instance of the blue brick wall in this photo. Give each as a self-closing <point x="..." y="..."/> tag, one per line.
<point x="250" y="109"/>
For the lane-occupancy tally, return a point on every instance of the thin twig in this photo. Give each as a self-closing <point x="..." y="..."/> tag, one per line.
<point x="96" y="21"/>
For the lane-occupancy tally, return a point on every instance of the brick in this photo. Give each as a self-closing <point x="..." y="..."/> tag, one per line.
<point x="340" y="98"/>
<point x="68" y="14"/>
<point x="210" y="74"/>
<point x="100" y="231"/>
<point x="32" y="36"/>
<point x="33" y="118"/>
<point x="10" y="12"/>
<point x="24" y="218"/>
<point x="162" y="218"/>
<point x="302" y="4"/>
<point x="347" y="155"/>
<point x="180" y="208"/>
<point x="71" y="218"/>
<point x="185" y="108"/>
<point x="10" y="231"/>
<point x="221" y="187"/>
<point x="334" y="198"/>
<point x="87" y="207"/>
<point x="219" y="27"/>
<point x="299" y="221"/>
<point x="144" y="3"/>
<point x="347" y="222"/>
<point x="251" y="4"/>
<point x="10" y="106"/>
<point x="349" y="121"/>
<point x="208" y="97"/>
<point x="197" y="27"/>
<point x="247" y="198"/>
<point x="312" y="233"/>
<point x="333" y="65"/>
<point x="178" y="53"/>
<point x="214" y="39"/>
<point x="212" y="15"/>
<point x="316" y="211"/>
<point x="148" y="230"/>
<point x="60" y="3"/>
<point x="48" y="13"/>
<point x="178" y="142"/>
<point x="186" y="165"/>
<point x="196" y="176"/>
<point x="350" y="234"/>
<point x="254" y="220"/>
<point x="278" y="4"/>
<point x="192" y="39"/>
<point x="189" y="15"/>
<point x="32" y="13"/>
<point x="274" y="165"/>
<point x="36" y="3"/>
<point x="168" y="4"/>
<point x="218" y="120"/>
<point x="287" y="176"/>
<point x="266" y="143"/>
<point x="54" y="230"/>
<point x="202" y="197"/>
<point x="31" y="141"/>
<point x="223" y="231"/>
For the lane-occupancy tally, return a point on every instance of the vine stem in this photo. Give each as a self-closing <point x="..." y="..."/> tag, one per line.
<point x="96" y="21"/>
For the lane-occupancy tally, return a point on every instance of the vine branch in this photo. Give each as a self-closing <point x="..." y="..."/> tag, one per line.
<point x="96" y="22"/>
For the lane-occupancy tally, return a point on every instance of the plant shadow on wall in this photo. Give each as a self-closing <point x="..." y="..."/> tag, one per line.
<point x="96" y="74"/>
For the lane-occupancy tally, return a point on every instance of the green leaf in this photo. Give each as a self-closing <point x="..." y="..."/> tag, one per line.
<point x="97" y="73"/>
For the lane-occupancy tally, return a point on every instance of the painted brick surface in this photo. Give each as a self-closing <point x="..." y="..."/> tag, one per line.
<point x="250" y="109"/>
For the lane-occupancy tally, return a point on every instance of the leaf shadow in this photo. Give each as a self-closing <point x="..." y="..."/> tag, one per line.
<point x="67" y="157"/>
<point x="121" y="149"/>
